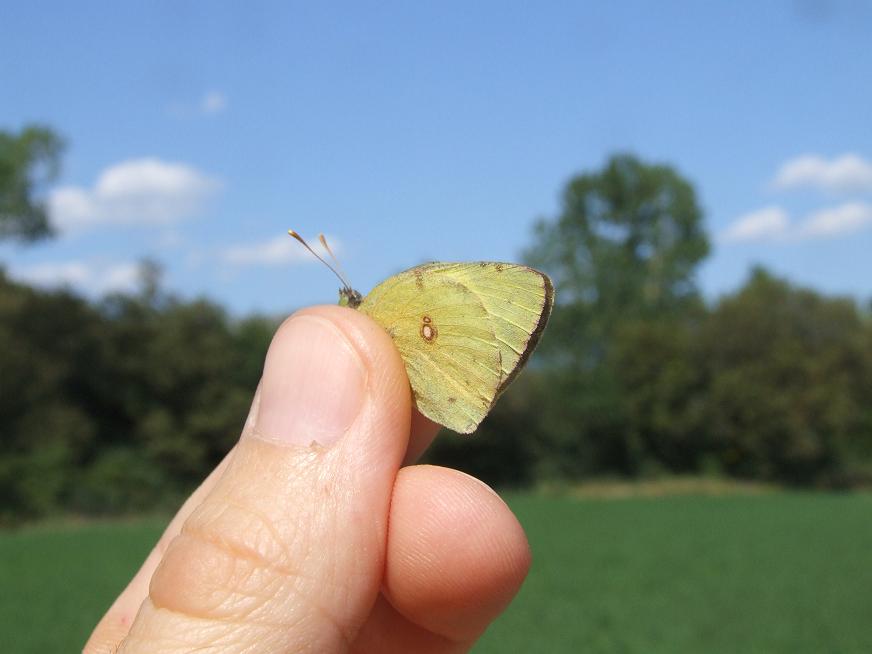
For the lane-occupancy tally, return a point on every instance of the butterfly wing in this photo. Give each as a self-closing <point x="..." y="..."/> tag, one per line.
<point x="518" y="301"/>
<point x="452" y="355"/>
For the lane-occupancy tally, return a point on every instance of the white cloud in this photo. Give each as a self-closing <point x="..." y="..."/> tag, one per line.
<point x="138" y="191"/>
<point x="214" y="102"/>
<point x="277" y="251"/>
<point x="72" y="273"/>
<point x="836" y="221"/>
<point x="89" y="277"/>
<point x="846" y="173"/>
<point x="763" y="224"/>
<point x="773" y="223"/>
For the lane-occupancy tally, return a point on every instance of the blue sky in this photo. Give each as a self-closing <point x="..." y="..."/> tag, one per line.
<point x="199" y="132"/>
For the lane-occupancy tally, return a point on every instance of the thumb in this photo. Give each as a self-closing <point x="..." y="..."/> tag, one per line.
<point x="287" y="551"/>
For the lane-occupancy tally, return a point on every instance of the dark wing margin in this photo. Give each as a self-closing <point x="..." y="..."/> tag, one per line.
<point x="536" y="334"/>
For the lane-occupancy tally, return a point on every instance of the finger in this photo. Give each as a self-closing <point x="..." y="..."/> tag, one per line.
<point x="388" y="632"/>
<point x="115" y="624"/>
<point x="424" y="431"/>
<point x="288" y="547"/>
<point x="456" y="557"/>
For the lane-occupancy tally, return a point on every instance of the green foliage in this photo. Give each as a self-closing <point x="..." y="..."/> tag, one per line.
<point x="622" y="253"/>
<point x="656" y="364"/>
<point x="637" y="377"/>
<point x="28" y="160"/>
<point x="626" y="243"/>
<point x="127" y="403"/>
<point x="771" y="383"/>
<point x="789" y="375"/>
<point x="121" y="405"/>
<point x="120" y="479"/>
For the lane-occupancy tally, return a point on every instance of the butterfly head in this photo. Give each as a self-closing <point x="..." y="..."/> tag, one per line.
<point x="350" y="298"/>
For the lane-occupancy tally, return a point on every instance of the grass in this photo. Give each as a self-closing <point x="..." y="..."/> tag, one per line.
<point x="57" y="580"/>
<point x="770" y="572"/>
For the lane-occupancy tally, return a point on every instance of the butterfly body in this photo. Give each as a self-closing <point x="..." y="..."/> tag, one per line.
<point x="464" y="331"/>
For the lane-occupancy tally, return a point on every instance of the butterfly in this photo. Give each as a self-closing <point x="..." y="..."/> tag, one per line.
<point x="464" y="330"/>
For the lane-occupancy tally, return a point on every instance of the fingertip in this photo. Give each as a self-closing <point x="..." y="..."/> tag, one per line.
<point x="371" y="341"/>
<point x="456" y="553"/>
<point x="388" y="393"/>
<point x="382" y="357"/>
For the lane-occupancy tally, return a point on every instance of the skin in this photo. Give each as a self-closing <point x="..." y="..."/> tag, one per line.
<point x="311" y="536"/>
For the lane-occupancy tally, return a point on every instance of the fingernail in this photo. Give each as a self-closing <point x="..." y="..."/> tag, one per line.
<point x="313" y="384"/>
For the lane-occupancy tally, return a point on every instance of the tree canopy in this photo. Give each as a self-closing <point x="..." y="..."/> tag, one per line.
<point x="127" y="402"/>
<point x="28" y="161"/>
<point x="627" y="240"/>
<point x="622" y="251"/>
<point x="117" y="405"/>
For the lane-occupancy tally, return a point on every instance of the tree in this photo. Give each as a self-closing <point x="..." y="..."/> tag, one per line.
<point x="28" y="160"/>
<point x="624" y="248"/>
<point x="119" y="405"/>
<point x="50" y="346"/>
<point x="659" y="368"/>
<point x="790" y="373"/>
<point x="627" y="241"/>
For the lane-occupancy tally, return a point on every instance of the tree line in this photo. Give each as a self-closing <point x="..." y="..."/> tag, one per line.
<point x="118" y="405"/>
<point x="125" y="403"/>
<point x="638" y="376"/>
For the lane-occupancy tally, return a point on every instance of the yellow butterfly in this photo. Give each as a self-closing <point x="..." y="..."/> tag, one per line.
<point x="464" y="330"/>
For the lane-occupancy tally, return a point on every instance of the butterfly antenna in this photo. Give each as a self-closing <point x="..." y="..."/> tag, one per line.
<point x="319" y="257"/>
<point x="333" y="257"/>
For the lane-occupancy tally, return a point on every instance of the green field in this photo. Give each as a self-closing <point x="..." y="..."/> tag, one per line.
<point x="785" y="573"/>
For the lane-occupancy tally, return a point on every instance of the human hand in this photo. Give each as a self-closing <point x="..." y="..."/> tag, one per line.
<point x="309" y="537"/>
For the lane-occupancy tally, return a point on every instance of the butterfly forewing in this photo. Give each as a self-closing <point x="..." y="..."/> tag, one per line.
<point x="442" y="330"/>
<point x="518" y="301"/>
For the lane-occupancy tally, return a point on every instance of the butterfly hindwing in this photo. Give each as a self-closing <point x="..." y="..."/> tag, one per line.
<point x="442" y="331"/>
<point x="464" y="330"/>
<point x="518" y="301"/>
